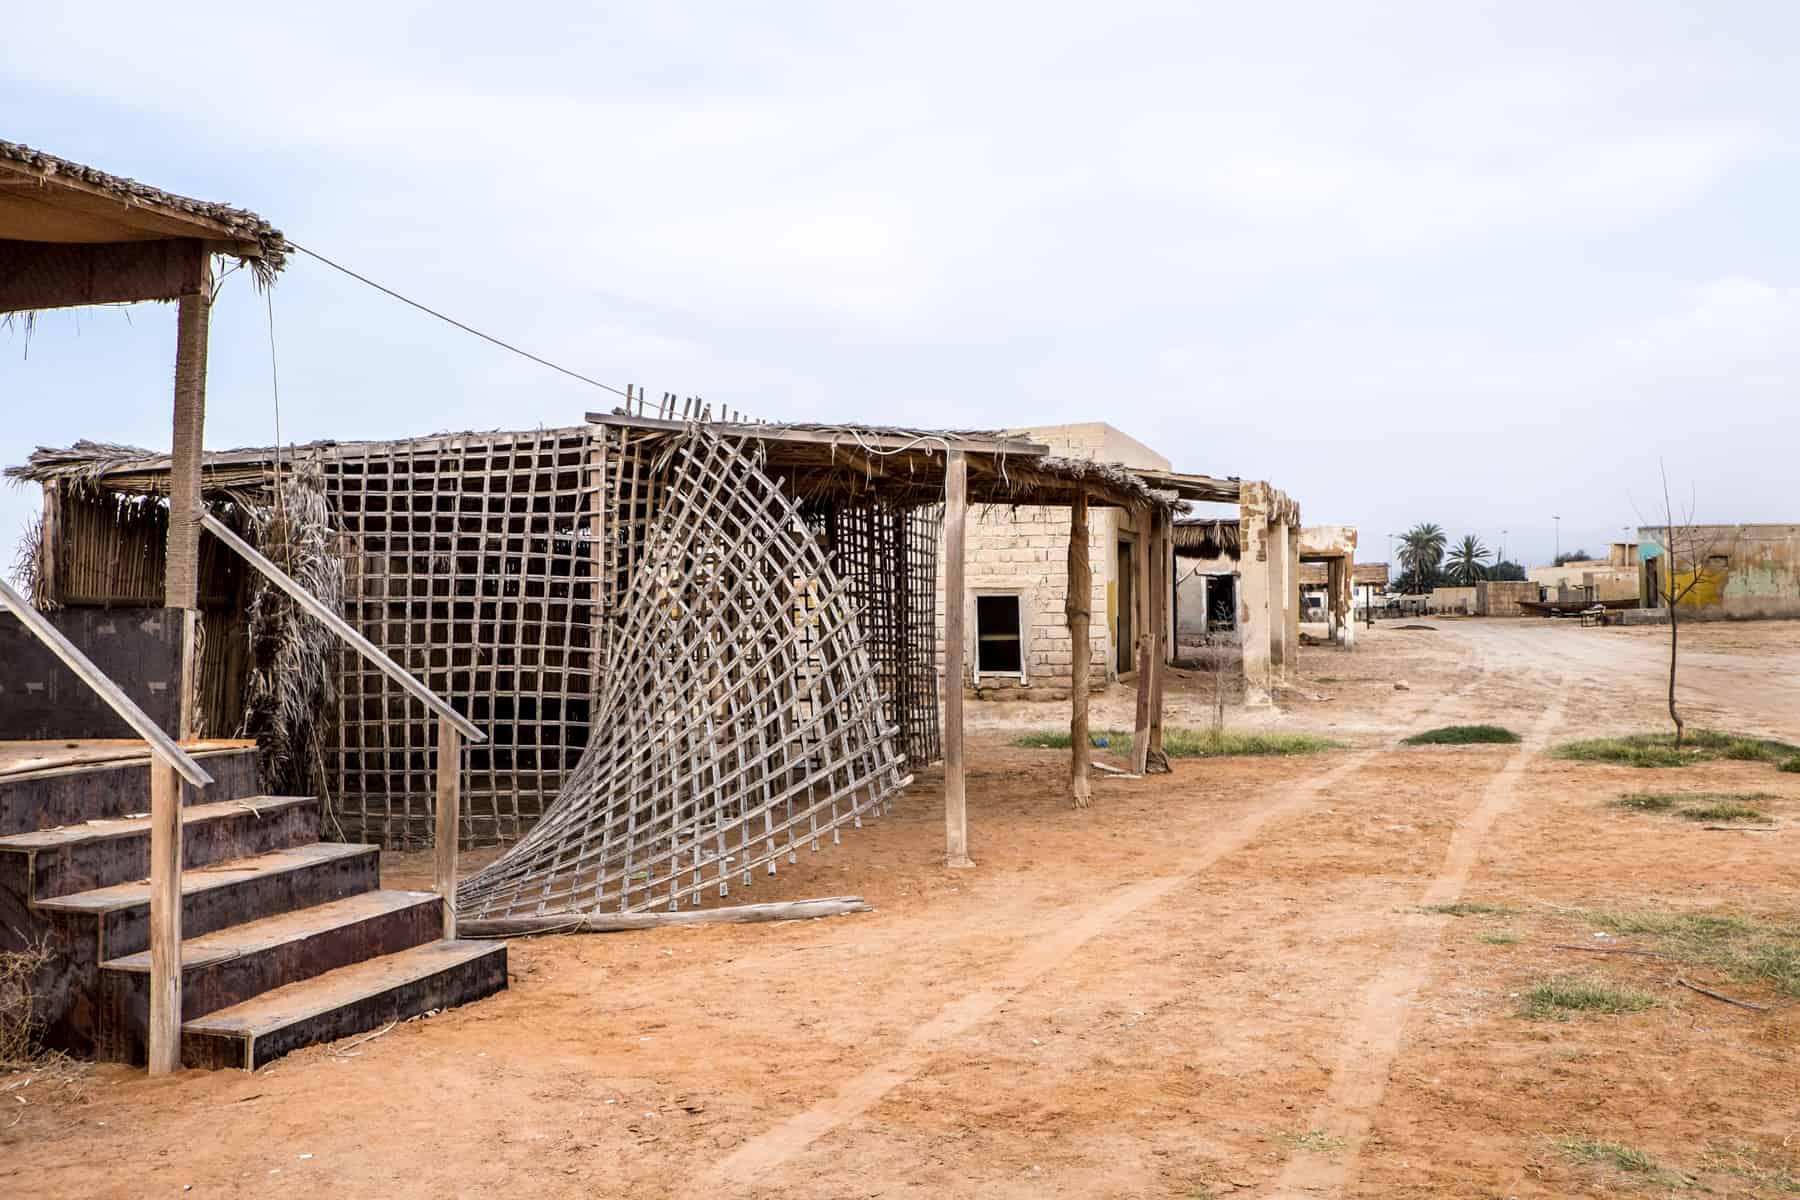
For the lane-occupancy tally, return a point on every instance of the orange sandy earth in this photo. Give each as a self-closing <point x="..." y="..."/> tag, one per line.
<point x="1219" y="983"/>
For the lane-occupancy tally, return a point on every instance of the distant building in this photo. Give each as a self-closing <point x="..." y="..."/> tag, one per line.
<point x="1725" y="571"/>
<point x="1614" y="577"/>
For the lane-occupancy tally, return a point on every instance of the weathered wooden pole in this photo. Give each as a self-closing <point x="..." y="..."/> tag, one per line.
<point x="1077" y="608"/>
<point x="181" y="591"/>
<point x="449" y="810"/>
<point x="956" y="804"/>
<point x="1162" y="547"/>
<point x="1141" y="588"/>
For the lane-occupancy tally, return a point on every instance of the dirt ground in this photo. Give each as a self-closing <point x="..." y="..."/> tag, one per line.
<point x="1223" y="982"/>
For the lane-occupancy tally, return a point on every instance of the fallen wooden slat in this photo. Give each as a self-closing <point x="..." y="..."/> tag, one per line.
<point x="785" y="910"/>
<point x="1610" y="950"/>
<point x="1694" y="987"/>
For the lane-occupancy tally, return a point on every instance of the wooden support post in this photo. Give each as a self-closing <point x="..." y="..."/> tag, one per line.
<point x="182" y="582"/>
<point x="449" y="812"/>
<point x="956" y="804"/>
<point x="165" y="919"/>
<point x="1161" y="549"/>
<point x="1142" y="585"/>
<point x="1078" y="608"/>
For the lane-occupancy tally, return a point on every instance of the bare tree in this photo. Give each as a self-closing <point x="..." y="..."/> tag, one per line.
<point x="1683" y="540"/>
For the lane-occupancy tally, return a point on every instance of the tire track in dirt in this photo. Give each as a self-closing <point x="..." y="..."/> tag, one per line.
<point x="793" y="1136"/>
<point x="1366" y="1055"/>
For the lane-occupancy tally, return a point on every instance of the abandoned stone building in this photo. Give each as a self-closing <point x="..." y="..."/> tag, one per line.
<point x="1017" y="587"/>
<point x="1018" y="579"/>
<point x="1721" y="571"/>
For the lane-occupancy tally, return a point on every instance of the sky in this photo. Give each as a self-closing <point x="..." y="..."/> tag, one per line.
<point x="1479" y="264"/>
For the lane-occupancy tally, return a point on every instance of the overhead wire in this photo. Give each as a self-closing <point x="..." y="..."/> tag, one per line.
<point x="466" y="328"/>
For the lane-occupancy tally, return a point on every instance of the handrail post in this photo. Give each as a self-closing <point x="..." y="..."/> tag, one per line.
<point x="164" y="1032"/>
<point x="449" y="811"/>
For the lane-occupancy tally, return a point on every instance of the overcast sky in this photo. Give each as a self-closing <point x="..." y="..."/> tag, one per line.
<point x="1476" y="264"/>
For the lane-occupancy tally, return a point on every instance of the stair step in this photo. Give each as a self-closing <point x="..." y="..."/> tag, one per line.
<point x="232" y="965"/>
<point x="229" y="893"/>
<point x="94" y="790"/>
<point x="97" y="854"/>
<point x="349" y="1000"/>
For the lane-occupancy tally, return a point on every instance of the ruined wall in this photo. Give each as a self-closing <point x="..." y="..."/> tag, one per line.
<point x="1500" y="597"/>
<point x="1745" y="572"/>
<point x="1452" y="600"/>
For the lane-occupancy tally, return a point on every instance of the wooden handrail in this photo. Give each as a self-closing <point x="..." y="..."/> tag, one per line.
<point x="317" y="609"/>
<point x="452" y="725"/>
<point x="161" y="744"/>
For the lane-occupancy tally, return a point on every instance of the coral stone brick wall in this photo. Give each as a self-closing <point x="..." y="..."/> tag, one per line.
<point x="1022" y="550"/>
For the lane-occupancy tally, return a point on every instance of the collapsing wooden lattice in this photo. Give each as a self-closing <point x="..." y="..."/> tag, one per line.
<point x="737" y="717"/>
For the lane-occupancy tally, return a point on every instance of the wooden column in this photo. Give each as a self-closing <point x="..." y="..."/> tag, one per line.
<point x="1078" y="608"/>
<point x="449" y="812"/>
<point x="956" y="527"/>
<point x="1142" y="587"/>
<point x="182" y="583"/>
<point x="1161" y="549"/>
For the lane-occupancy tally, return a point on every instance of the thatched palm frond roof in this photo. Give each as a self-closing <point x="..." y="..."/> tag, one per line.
<point x="1207" y="539"/>
<point x="150" y="211"/>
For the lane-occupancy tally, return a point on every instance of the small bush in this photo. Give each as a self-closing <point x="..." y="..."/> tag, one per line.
<point x="19" y="1027"/>
<point x="1559" y="997"/>
<point x="1658" y="749"/>
<point x="1791" y="765"/>
<point x="1464" y="735"/>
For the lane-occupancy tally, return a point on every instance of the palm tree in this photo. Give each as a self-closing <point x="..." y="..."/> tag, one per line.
<point x="1468" y="560"/>
<point x="1422" y="551"/>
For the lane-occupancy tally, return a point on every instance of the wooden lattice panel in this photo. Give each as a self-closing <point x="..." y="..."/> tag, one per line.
<point x="738" y="718"/>
<point x="469" y="559"/>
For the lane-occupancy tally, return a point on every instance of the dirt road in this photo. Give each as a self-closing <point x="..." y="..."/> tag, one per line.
<point x="1222" y="983"/>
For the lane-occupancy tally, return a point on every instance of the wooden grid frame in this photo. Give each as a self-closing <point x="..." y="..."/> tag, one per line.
<point x="738" y="716"/>
<point x="468" y="559"/>
<point x="887" y="555"/>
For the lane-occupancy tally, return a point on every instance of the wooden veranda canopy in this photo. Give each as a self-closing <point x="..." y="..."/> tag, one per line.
<point x="71" y="235"/>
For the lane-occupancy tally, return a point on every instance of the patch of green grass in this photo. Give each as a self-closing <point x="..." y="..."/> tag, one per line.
<point x="1746" y="1163"/>
<point x="1658" y="749"/>
<point x="1724" y="810"/>
<point x="1058" y="739"/>
<point x="1499" y="939"/>
<point x="1315" y="1140"/>
<point x="1564" y="995"/>
<point x="1649" y="801"/>
<point x="1470" y="908"/>
<point x="1628" y="1160"/>
<point x="1664" y="801"/>
<point x="1463" y="735"/>
<point x="1204" y="743"/>
<point x="1188" y="743"/>
<point x="1742" y="948"/>
<point x="1790" y="765"/>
